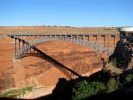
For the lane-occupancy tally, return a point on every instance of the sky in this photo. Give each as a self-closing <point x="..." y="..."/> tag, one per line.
<point x="80" y="13"/>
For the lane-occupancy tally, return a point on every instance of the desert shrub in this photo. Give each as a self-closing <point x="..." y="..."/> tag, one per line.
<point x="129" y="78"/>
<point x="114" y="62"/>
<point x="86" y="89"/>
<point x="112" y="85"/>
<point x="111" y="66"/>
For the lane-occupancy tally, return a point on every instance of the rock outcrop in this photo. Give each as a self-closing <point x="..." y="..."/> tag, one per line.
<point x="123" y="54"/>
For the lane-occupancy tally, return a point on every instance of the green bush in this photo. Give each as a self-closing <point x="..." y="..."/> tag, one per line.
<point x="86" y="89"/>
<point x="129" y="78"/>
<point x="16" y="92"/>
<point x="112" y="85"/>
<point x="111" y="66"/>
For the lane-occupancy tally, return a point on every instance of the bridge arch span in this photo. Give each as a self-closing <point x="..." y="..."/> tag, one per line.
<point x="65" y="70"/>
<point x="89" y="44"/>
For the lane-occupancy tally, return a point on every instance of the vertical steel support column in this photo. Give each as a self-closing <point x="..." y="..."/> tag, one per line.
<point x="56" y="37"/>
<point x="90" y="41"/>
<point x="114" y="41"/>
<point x="19" y="42"/>
<point x="83" y="37"/>
<point x="96" y="39"/>
<point x="88" y="37"/>
<point x="26" y="38"/>
<point x="46" y="37"/>
<point x="30" y="51"/>
<point x="111" y="47"/>
<point x="77" y="38"/>
<point x="104" y="41"/>
<point x="41" y="35"/>
<point x="22" y="42"/>
<point x="49" y="37"/>
<point x="71" y="38"/>
<point x="65" y="37"/>
<point x="100" y="48"/>
<point x="110" y="41"/>
<point x="34" y="37"/>
<point x="15" y="47"/>
<point x="60" y="37"/>
<point x="34" y="49"/>
<point x="107" y="39"/>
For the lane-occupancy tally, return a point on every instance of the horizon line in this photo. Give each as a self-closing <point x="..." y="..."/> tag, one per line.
<point x="59" y="26"/>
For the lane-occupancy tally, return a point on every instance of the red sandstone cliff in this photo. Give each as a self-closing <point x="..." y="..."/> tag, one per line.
<point x="33" y="70"/>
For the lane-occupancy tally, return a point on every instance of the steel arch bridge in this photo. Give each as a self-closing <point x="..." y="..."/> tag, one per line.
<point x="25" y="45"/>
<point x="90" y="44"/>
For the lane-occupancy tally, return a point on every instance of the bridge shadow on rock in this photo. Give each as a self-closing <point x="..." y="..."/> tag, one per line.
<point x="64" y="88"/>
<point x="67" y="71"/>
<point x="122" y="54"/>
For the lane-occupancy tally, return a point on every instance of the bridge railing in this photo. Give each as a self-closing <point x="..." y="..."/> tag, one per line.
<point x="3" y="36"/>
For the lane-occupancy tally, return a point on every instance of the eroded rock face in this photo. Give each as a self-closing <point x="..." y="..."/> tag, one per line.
<point x="6" y="64"/>
<point x="33" y="70"/>
<point x="123" y="53"/>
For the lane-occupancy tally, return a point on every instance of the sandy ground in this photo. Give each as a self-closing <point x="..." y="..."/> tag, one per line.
<point x="58" y="30"/>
